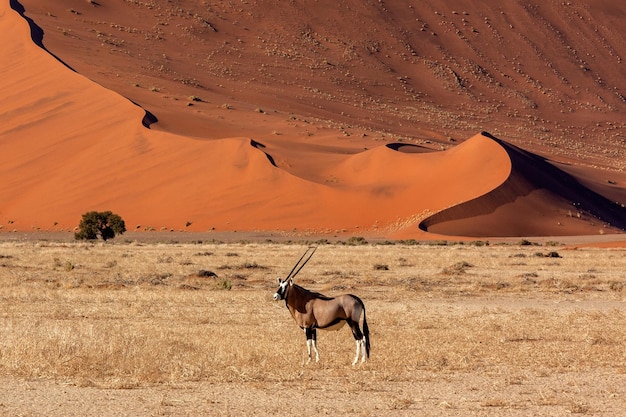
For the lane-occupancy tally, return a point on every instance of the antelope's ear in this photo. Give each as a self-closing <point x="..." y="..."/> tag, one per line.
<point x="279" y="281"/>
<point x="290" y="282"/>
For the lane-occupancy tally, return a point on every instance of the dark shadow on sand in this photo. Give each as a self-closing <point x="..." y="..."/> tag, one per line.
<point x="260" y="147"/>
<point x="148" y="118"/>
<point x="36" y="32"/>
<point x="408" y="148"/>
<point x="529" y="173"/>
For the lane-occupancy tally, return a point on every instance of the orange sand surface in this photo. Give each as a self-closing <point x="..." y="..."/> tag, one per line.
<point x="217" y="162"/>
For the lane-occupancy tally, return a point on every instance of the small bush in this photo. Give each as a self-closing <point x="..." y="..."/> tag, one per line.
<point x="437" y="243"/>
<point x="110" y="264"/>
<point x="103" y="224"/>
<point x="456" y="269"/>
<point x="65" y="265"/>
<point x="551" y="254"/>
<point x="224" y="284"/>
<point x="252" y="265"/>
<point x="356" y="240"/>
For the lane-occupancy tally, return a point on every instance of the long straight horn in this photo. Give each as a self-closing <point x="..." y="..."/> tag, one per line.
<point x="292" y="274"/>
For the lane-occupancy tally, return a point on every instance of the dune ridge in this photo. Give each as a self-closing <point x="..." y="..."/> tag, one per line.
<point x="537" y="199"/>
<point x="71" y="145"/>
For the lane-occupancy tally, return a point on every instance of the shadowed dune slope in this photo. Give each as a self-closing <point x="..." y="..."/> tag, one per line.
<point x="70" y="145"/>
<point x="537" y="199"/>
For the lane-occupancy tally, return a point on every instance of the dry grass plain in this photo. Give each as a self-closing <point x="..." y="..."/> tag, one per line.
<point x="130" y="328"/>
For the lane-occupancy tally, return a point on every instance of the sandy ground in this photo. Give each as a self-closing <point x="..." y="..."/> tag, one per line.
<point x="501" y="391"/>
<point x="520" y="333"/>
<point x="606" y="241"/>
<point x="518" y="393"/>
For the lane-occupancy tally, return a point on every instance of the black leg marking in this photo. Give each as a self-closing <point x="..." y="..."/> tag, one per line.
<point x="311" y="334"/>
<point x="356" y="331"/>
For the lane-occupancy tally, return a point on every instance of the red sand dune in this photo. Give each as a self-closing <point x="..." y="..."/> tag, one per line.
<point x="70" y="145"/>
<point x="537" y="199"/>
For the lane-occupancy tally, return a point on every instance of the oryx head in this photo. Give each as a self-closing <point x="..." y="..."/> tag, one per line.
<point x="282" y="288"/>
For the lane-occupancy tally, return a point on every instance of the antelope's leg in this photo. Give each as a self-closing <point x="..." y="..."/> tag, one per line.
<point x="364" y="356"/>
<point x="314" y="340"/>
<point x="358" y="351"/>
<point x="309" y="342"/>
<point x="308" y="350"/>
<point x="359" y="339"/>
<point x="311" y="336"/>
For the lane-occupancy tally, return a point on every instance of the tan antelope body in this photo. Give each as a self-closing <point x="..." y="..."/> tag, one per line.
<point x="312" y="311"/>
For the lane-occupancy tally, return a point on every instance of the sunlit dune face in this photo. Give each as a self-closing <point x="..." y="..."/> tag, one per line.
<point x="318" y="139"/>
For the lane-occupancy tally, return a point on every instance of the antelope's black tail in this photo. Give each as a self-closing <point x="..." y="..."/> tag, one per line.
<point x="366" y="333"/>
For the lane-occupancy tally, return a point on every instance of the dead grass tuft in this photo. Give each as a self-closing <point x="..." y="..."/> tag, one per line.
<point x="457" y="268"/>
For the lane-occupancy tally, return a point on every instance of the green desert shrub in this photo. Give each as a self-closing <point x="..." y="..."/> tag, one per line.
<point x="96" y="224"/>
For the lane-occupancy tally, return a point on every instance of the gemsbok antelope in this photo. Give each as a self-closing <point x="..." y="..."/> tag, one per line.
<point x="312" y="311"/>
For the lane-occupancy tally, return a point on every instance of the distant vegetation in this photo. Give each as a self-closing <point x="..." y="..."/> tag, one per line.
<point x="95" y="224"/>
